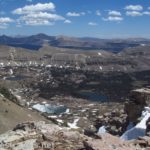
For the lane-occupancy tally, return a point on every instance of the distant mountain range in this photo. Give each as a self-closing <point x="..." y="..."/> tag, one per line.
<point x="34" y="42"/>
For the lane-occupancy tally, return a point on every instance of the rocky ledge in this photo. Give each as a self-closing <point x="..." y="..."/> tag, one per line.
<point x="41" y="136"/>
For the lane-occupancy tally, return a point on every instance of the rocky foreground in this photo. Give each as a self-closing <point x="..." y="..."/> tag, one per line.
<point x="41" y="136"/>
<point x="38" y="135"/>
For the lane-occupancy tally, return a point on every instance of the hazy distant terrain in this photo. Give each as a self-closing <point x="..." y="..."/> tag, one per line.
<point x="64" y="70"/>
<point x="128" y="60"/>
<point x="35" y="42"/>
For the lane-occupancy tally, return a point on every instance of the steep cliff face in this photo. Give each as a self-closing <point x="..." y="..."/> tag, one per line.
<point x="139" y="99"/>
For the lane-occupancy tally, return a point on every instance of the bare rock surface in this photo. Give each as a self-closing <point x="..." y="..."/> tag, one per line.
<point x="41" y="136"/>
<point x="139" y="98"/>
<point x="115" y="122"/>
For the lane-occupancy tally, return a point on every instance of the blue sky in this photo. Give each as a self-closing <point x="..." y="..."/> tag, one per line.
<point x="82" y="18"/>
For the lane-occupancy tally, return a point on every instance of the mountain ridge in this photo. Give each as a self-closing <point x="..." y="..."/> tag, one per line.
<point x="35" y="42"/>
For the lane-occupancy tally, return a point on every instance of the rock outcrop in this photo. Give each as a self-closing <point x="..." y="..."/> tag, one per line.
<point x="142" y="142"/>
<point x="148" y="127"/>
<point x="41" y="136"/>
<point x="137" y="101"/>
<point x="115" y="122"/>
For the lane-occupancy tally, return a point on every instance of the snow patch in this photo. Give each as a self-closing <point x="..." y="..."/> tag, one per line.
<point x="44" y="102"/>
<point x="100" y="54"/>
<point x="100" y="67"/>
<point x="60" y="121"/>
<point x="74" y="124"/>
<point x="102" y="130"/>
<point x="47" y="108"/>
<point x="83" y="110"/>
<point x="143" y="44"/>
<point x="1" y="95"/>
<point x="67" y="111"/>
<point x="53" y="117"/>
<point x="11" y="72"/>
<point x="139" y="129"/>
<point x="48" y="66"/>
<point x="130" y="126"/>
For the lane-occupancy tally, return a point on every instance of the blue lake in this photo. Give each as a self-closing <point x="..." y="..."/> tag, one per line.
<point x="16" y="78"/>
<point x="92" y="96"/>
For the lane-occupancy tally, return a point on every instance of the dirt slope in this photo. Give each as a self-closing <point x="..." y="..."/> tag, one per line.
<point x="12" y="114"/>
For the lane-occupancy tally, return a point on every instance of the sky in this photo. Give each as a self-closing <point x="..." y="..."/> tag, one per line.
<point x="79" y="18"/>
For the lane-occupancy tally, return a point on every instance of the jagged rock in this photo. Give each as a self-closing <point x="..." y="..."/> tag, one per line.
<point x="92" y="134"/>
<point x="133" y="111"/>
<point x="138" y="99"/>
<point x="41" y="136"/>
<point x="108" y="142"/>
<point x="148" y="127"/>
<point x="25" y="126"/>
<point x="115" y="122"/>
<point x="140" y="96"/>
<point x="142" y="142"/>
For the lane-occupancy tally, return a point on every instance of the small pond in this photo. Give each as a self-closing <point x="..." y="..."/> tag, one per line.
<point x="92" y="96"/>
<point x="16" y="78"/>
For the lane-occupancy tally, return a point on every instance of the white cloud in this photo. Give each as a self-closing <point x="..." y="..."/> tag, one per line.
<point x="146" y="12"/>
<point x="98" y="13"/>
<point x="113" y="18"/>
<point x="41" y="18"/>
<point x="4" y="22"/>
<point x="67" y="21"/>
<point x="134" y="7"/>
<point x="114" y="13"/>
<point x="134" y="13"/>
<point x="38" y="14"/>
<point x="75" y="14"/>
<point x="92" y="24"/>
<point x="34" y="8"/>
<point x="38" y="22"/>
<point x="43" y="15"/>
